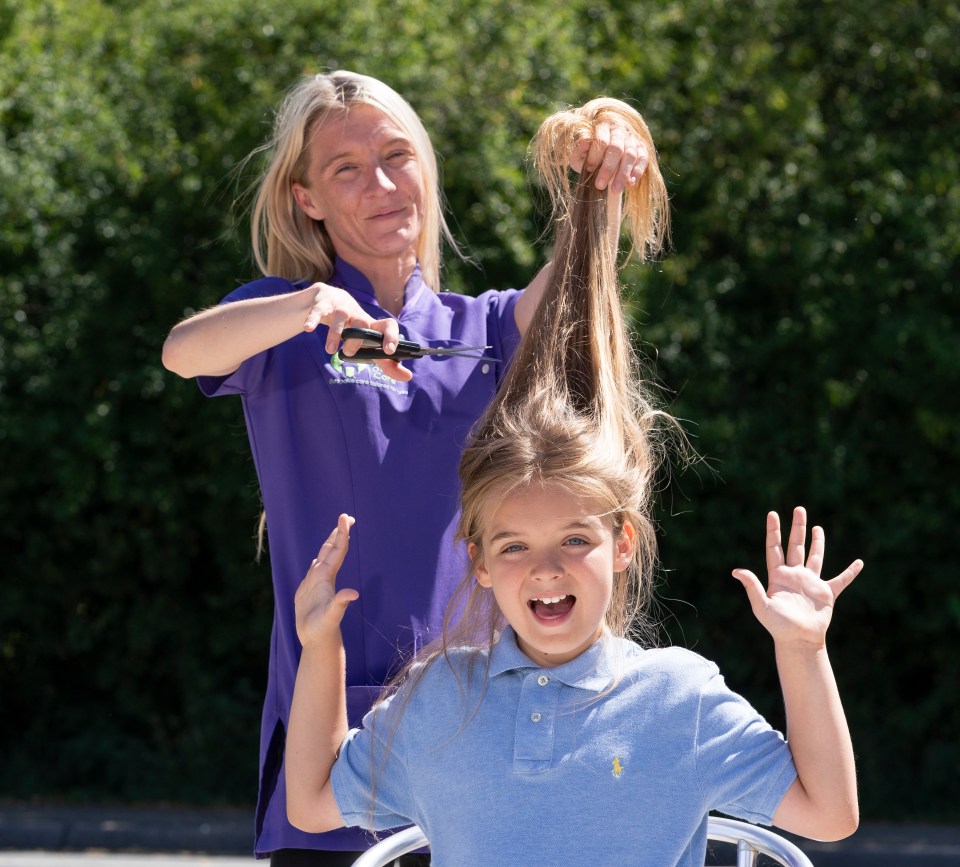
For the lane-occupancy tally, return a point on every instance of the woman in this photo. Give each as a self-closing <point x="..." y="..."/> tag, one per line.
<point x="347" y="224"/>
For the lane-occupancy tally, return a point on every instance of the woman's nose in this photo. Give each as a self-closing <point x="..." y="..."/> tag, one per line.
<point x="380" y="180"/>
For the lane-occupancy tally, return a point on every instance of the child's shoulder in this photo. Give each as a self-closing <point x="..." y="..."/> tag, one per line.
<point x="668" y="664"/>
<point x="455" y="667"/>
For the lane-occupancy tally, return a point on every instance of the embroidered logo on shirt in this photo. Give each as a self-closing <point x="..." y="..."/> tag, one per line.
<point x="363" y="373"/>
<point x="617" y="767"/>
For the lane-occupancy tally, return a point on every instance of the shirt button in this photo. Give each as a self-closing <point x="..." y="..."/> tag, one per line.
<point x="543" y="680"/>
<point x="485" y="368"/>
<point x="535" y="717"/>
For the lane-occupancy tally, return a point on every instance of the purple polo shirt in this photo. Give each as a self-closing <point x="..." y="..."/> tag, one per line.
<point x="331" y="436"/>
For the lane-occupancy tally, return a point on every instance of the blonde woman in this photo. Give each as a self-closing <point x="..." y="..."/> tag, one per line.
<point x="347" y="230"/>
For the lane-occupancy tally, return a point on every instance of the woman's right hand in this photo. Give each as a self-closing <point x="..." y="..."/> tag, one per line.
<point x="319" y="605"/>
<point x="337" y="309"/>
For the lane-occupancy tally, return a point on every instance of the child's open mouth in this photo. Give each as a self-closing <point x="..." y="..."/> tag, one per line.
<point x="552" y="607"/>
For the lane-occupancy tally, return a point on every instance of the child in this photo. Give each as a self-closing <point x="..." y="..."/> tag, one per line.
<point x="535" y="731"/>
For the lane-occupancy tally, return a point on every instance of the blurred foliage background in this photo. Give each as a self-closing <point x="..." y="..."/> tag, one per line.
<point x="805" y="326"/>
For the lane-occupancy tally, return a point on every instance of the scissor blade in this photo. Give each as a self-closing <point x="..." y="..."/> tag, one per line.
<point x="451" y="350"/>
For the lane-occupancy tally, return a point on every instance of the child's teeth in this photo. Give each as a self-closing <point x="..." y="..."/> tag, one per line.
<point x="552" y="600"/>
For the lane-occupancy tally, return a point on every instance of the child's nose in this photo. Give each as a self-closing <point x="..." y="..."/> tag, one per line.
<point x="546" y="568"/>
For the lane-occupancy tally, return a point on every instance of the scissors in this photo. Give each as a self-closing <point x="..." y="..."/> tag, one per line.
<point x="372" y="348"/>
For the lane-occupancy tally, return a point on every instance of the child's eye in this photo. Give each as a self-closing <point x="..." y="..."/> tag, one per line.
<point x="576" y="541"/>
<point x="512" y="549"/>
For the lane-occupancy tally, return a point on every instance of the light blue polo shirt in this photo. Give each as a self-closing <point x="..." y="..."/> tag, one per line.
<point x="614" y="758"/>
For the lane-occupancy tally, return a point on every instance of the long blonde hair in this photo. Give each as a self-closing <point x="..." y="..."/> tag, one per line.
<point x="286" y="242"/>
<point x="573" y="408"/>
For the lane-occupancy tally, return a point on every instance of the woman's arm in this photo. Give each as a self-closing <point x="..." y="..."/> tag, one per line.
<point x="796" y="609"/>
<point x="215" y="342"/>
<point x="318" y="715"/>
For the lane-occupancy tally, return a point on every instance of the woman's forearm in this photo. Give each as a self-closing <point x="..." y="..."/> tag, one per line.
<point x="215" y="342"/>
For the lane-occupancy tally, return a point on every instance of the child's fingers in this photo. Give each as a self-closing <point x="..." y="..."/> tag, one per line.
<point x="845" y="578"/>
<point x="798" y="537"/>
<point x="755" y="592"/>
<point x="334" y="549"/>
<point x="342" y="600"/>
<point x="773" y="549"/>
<point x="817" y="544"/>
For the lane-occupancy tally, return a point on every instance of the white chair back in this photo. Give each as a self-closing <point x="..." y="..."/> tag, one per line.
<point x="750" y="841"/>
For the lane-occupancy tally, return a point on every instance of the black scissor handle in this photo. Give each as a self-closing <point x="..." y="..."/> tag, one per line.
<point x="372" y="347"/>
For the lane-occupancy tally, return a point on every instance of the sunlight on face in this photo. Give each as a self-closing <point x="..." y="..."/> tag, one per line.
<point x="364" y="183"/>
<point x="549" y="555"/>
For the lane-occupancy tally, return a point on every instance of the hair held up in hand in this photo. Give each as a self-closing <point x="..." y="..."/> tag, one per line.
<point x="573" y="409"/>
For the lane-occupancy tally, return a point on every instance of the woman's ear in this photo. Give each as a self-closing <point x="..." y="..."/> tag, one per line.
<point x="306" y="202"/>
<point x="625" y="544"/>
<point x="480" y="569"/>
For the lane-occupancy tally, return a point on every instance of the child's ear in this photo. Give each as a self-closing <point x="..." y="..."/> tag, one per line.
<point x="480" y="569"/>
<point x="625" y="544"/>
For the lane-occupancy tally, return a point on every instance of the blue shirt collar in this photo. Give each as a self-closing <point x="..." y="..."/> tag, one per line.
<point x="595" y="669"/>
<point x="346" y="276"/>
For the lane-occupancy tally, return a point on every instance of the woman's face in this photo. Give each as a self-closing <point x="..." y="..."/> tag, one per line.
<point x="364" y="182"/>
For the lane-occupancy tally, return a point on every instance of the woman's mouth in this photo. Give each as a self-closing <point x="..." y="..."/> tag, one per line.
<point x="394" y="212"/>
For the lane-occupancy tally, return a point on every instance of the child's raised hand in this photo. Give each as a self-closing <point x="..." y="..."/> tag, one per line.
<point x="797" y="605"/>
<point x="319" y="605"/>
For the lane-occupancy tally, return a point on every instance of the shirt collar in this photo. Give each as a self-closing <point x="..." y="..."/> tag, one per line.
<point x="346" y="276"/>
<point x="595" y="669"/>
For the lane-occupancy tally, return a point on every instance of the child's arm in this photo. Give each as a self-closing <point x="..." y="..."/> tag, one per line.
<point x="318" y="716"/>
<point x="796" y="609"/>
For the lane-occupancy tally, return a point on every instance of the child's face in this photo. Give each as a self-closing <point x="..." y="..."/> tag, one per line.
<point x="549" y="558"/>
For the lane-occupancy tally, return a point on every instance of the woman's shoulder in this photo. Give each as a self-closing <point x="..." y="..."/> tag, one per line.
<point x="490" y="298"/>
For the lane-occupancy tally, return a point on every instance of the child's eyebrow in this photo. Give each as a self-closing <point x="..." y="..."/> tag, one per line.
<point x="588" y="524"/>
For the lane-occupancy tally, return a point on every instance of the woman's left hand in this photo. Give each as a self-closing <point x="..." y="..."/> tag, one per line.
<point x="617" y="154"/>
<point x="797" y="605"/>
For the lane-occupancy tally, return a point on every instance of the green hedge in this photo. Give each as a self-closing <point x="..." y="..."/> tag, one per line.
<point x="804" y="325"/>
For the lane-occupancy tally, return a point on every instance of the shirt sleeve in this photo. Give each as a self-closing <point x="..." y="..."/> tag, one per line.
<point x="370" y="779"/>
<point x="245" y="378"/>
<point x="744" y="765"/>
<point x="502" y="331"/>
